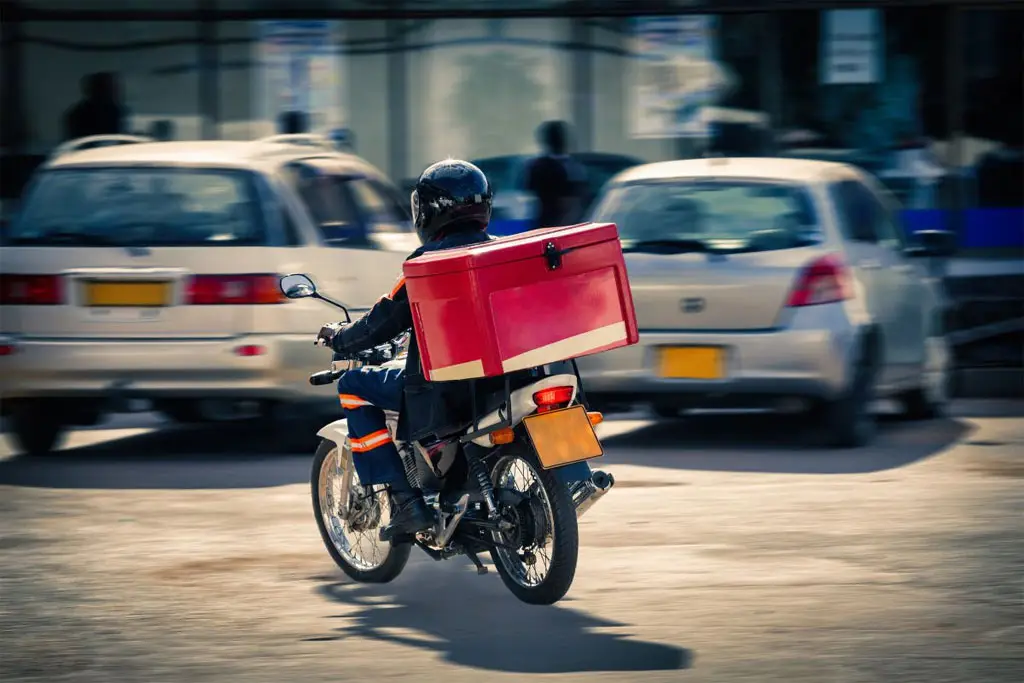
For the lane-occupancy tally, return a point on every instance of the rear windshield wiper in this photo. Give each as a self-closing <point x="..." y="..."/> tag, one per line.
<point x="64" y="237"/>
<point x="669" y="246"/>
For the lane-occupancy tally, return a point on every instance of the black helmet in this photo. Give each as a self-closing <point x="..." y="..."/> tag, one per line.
<point x="451" y="196"/>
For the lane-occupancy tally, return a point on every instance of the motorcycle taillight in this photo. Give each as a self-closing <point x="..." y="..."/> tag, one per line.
<point x="552" y="398"/>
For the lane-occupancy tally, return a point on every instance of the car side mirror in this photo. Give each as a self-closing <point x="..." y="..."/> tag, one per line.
<point x="932" y="243"/>
<point x="297" y="286"/>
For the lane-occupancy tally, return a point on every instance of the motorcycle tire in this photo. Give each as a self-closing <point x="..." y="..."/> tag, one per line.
<point x="398" y="553"/>
<point x="565" y="550"/>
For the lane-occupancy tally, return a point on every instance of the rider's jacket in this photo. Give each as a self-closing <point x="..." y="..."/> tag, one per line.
<point x="428" y="408"/>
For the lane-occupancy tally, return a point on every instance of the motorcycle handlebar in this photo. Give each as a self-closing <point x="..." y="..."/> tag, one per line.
<point x="319" y="379"/>
<point x="375" y="356"/>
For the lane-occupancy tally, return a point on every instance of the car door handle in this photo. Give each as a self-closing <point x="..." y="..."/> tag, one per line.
<point x="870" y="265"/>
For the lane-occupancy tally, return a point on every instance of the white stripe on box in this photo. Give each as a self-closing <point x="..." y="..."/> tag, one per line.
<point x="474" y="368"/>
<point x="572" y="347"/>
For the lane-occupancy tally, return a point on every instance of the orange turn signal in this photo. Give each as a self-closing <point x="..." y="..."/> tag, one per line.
<point x="502" y="436"/>
<point x="595" y="417"/>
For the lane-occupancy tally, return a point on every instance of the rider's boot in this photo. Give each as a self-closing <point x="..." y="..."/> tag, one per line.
<point x="408" y="513"/>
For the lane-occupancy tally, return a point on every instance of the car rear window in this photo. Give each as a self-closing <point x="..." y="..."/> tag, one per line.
<point x="733" y="215"/>
<point x="141" y="206"/>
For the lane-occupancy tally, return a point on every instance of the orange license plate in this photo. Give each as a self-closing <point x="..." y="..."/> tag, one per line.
<point x="691" y="362"/>
<point x="135" y="294"/>
<point x="562" y="437"/>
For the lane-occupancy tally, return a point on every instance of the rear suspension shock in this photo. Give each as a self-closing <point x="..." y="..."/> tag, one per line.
<point x="483" y="480"/>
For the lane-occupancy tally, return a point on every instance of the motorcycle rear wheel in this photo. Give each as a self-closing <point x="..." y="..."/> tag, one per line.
<point x="554" y="535"/>
<point x="384" y="566"/>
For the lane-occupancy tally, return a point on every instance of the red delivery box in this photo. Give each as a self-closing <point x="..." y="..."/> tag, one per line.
<point x="520" y="301"/>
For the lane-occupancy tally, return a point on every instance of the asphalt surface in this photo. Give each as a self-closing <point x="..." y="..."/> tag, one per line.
<point x="730" y="550"/>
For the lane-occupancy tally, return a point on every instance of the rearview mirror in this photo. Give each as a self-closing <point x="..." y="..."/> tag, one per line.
<point x="932" y="243"/>
<point x="297" y="286"/>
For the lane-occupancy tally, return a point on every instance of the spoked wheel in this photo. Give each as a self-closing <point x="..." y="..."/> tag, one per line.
<point x="537" y="553"/>
<point x="350" y="528"/>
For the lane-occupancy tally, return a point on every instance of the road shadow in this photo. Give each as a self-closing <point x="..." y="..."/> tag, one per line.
<point x="217" y="456"/>
<point x="773" y="444"/>
<point x="474" y="621"/>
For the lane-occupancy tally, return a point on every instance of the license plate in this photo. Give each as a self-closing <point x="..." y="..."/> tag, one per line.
<point x="137" y="294"/>
<point x="563" y="437"/>
<point x="691" y="362"/>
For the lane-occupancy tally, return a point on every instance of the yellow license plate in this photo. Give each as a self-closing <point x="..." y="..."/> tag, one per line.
<point x="691" y="362"/>
<point x="562" y="437"/>
<point x="111" y="294"/>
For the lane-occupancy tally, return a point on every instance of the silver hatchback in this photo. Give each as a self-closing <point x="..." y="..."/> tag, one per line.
<point x="774" y="284"/>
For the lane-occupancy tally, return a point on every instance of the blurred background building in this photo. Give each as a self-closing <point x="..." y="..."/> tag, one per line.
<point x="929" y="97"/>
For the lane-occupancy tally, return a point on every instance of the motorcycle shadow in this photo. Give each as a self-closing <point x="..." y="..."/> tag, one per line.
<point x="473" y="621"/>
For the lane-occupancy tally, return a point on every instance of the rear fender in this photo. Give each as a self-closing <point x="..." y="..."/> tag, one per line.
<point x="523" y="403"/>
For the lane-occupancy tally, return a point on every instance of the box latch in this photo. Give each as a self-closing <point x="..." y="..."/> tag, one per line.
<point x="553" y="256"/>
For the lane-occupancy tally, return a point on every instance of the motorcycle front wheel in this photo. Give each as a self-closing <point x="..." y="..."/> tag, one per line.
<point x="537" y="557"/>
<point x="350" y="528"/>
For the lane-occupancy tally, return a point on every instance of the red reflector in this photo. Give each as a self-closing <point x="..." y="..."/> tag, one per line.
<point x="555" y="396"/>
<point x="823" y="281"/>
<point x="31" y="290"/>
<point x="6" y="349"/>
<point x="250" y="350"/>
<point x="214" y="290"/>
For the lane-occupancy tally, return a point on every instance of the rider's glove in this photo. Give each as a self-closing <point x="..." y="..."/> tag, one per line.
<point x="327" y="333"/>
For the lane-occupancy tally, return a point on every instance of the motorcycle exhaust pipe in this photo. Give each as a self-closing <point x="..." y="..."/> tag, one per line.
<point x="586" y="493"/>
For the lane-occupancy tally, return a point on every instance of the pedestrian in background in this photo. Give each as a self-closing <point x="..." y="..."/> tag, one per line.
<point x="556" y="179"/>
<point x="293" y="123"/>
<point x="99" y="112"/>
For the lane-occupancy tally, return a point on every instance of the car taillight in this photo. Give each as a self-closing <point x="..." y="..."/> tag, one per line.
<point x="249" y="350"/>
<point x="31" y="290"/>
<point x="823" y="281"/>
<point x="213" y="290"/>
<point x="554" y="397"/>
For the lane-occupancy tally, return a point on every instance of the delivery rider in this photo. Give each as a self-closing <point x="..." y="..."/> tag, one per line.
<point x="451" y="207"/>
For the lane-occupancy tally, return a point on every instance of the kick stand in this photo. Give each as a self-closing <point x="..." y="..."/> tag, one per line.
<point x="480" y="568"/>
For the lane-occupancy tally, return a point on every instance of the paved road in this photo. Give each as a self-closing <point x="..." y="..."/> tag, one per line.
<point x="150" y="554"/>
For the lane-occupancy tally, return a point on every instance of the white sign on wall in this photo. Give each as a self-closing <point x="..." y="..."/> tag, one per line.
<point x="300" y="70"/>
<point x="675" y="76"/>
<point x="851" y="46"/>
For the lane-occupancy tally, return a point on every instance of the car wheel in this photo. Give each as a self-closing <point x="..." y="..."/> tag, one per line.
<point x="847" y="420"/>
<point x="36" y="426"/>
<point x="928" y="401"/>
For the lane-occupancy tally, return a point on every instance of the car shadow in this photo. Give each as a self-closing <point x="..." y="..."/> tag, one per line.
<point x="475" y="622"/>
<point x="772" y="444"/>
<point x="219" y="456"/>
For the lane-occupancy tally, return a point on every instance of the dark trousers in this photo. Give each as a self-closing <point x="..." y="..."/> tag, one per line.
<point x="365" y="394"/>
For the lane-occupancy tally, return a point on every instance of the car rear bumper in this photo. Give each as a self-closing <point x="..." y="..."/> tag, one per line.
<point x="166" y="368"/>
<point x="802" y="360"/>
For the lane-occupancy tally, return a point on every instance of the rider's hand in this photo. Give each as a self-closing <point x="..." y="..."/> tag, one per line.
<point x="327" y="333"/>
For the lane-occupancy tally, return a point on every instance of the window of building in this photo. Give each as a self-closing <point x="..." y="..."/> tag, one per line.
<point x="478" y="88"/>
<point x="678" y="86"/>
<point x="870" y="87"/>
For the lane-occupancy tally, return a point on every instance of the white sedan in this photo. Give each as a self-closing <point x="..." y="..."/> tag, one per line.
<point x="149" y="270"/>
<point x="777" y="284"/>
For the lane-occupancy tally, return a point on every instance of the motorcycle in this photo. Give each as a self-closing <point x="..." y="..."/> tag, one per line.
<point x="485" y="485"/>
